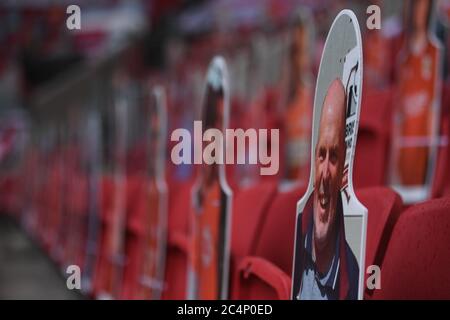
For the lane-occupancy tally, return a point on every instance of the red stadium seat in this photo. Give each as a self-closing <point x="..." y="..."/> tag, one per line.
<point x="441" y="182"/>
<point x="52" y="208"/>
<point x="372" y="146"/>
<point x="106" y="196"/>
<point x="10" y="191"/>
<point x="250" y="207"/>
<point x="135" y="233"/>
<point x="384" y="207"/>
<point x="177" y="242"/>
<point x="417" y="261"/>
<point x="106" y="205"/>
<point x="267" y="274"/>
<point x="259" y="279"/>
<point x="77" y="214"/>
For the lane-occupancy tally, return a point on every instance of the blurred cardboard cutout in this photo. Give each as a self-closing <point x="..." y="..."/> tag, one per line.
<point x="444" y="11"/>
<point x="299" y="98"/>
<point x="114" y="230"/>
<point x="331" y="223"/>
<point x="415" y="131"/>
<point x="92" y="165"/>
<point x="56" y="192"/>
<point x="151" y="282"/>
<point x="76" y="187"/>
<point x="208" y="263"/>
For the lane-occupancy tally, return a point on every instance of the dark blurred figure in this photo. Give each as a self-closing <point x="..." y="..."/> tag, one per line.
<point x="298" y="112"/>
<point x="47" y="49"/>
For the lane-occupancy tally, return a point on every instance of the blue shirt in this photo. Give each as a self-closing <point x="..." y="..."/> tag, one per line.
<point x="316" y="286"/>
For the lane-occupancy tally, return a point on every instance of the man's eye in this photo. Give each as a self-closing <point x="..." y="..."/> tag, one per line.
<point x="322" y="154"/>
<point x="333" y="156"/>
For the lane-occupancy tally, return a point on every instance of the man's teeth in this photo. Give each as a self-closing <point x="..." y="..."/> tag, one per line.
<point x="323" y="198"/>
<point x="324" y="201"/>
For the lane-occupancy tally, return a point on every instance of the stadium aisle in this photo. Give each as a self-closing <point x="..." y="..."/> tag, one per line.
<point x="25" y="272"/>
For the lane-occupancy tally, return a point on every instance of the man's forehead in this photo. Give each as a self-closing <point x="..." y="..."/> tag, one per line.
<point x="330" y="134"/>
<point x="330" y="109"/>
<point x="333" y="109"/>
<point x="335" y="97"/>
<point x="332" y="118"/>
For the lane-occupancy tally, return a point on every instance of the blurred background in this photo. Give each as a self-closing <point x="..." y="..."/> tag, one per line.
<point x="61" y="132"/>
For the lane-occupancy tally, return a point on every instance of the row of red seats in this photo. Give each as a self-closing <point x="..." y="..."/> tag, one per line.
<point x="372" y="151"/>
<point x="410" y="246"/>
<point x="263" y="222"/>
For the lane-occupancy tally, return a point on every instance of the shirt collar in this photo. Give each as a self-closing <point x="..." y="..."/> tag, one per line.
<point x="330" y="278"/>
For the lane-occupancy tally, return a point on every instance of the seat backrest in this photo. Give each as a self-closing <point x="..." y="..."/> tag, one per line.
<point x="373" y="136"/>
<point x="177" y="255"/>
<point x="276" y="240"/>
<point x="250" y="207"/>
<point x="136" y="203"/>
<point x="136" y="208"/>
<point x="417" y="261"/>
<point x="268" y="268"/>
<point x="441" y="181"/>
<point x="106" y="196"/>
<point x="384" y="207"/>
<point x="179" y="202"/>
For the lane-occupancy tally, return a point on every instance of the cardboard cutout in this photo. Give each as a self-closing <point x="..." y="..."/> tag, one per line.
<point x="151" y="282"/>
<point x="299" y="98"/>
<point x="417" y="109"/>
<point x="114" y="232"/>
<point x="31" y="176"/>
<point x="444" y="11"/>
<point x="331" y="222"/>
<point x="92" y="143"/>
<point x="76" y="186"/>
<point x="57" y="195"/>
<point x="208" y="263"/>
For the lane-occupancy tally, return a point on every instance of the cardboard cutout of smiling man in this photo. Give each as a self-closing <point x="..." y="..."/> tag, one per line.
<point x="331" y="223"/>
<point x="330" y="268"/>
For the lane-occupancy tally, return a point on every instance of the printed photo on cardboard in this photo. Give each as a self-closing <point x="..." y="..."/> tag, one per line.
<point x="151" y="282"/>
<point x="331" y="222"/>
<point x="76" y="186"/>
<point x="443" y="10"/>
<point x="415" y="131"/>
<point x="113" y="233"/>
<point x="299" y="96"/>
<point x="208" y="264"/>
<point x="49" y="187"/>
<point x="91" y="132"/>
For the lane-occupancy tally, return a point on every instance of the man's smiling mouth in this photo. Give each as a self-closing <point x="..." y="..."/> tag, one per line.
<point x="324" y="196"/>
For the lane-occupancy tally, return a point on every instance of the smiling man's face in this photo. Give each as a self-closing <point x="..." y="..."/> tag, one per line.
<point x="329" y="163"/>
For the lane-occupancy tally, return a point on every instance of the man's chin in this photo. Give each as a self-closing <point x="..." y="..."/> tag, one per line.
<point x="320" y="235"/>
<point x="322" y="215"/>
